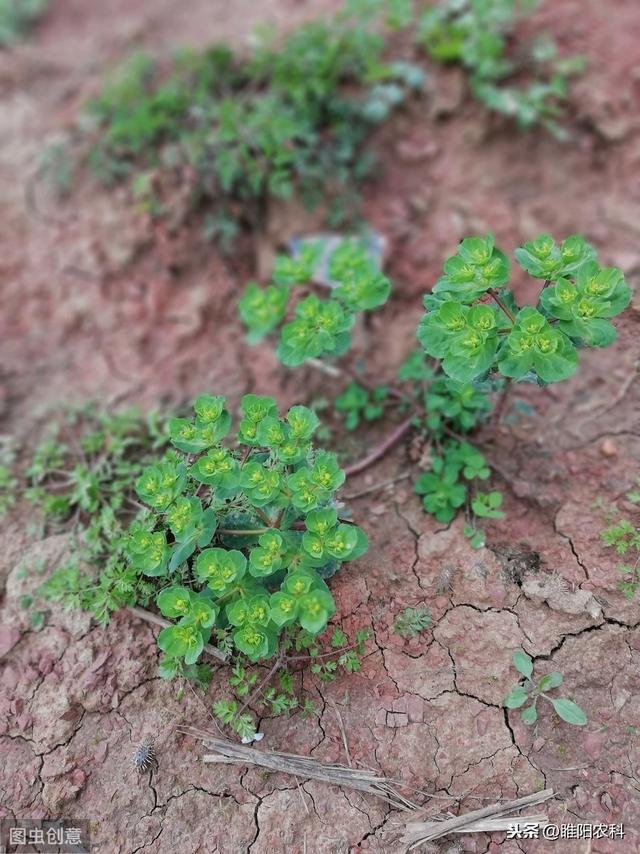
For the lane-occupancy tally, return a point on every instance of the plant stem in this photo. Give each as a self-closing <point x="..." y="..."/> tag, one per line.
<point x="245" y="456"/>
<point x="498" y="412"/>
<point x="381" y="448"/>
<point x="498" y="301"/>
<point x="322" y="655"/>
<point x="376" y="486"/>
<point x="262" y="515"/>
<point x="279" y="662"/>
<point x="243" y="532"/>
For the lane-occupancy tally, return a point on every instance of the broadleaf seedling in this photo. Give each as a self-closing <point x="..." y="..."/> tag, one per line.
<point x="623" y="536"/>
<point x="410" y="622"/>
<point x="528" y="691"/>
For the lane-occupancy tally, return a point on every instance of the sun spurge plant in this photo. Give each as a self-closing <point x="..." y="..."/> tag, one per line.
<point x="318" y="326"/>
<point x="241" y="538"/>
<point x="475" y="327"/>
<point x="529" y="691"/>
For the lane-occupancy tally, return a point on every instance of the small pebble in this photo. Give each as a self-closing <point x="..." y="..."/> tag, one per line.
<point x="609" y="448"/>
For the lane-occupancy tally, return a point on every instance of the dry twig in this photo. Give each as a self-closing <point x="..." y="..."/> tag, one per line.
<point x="300" y="766"/>
<point x="477" y="821"/>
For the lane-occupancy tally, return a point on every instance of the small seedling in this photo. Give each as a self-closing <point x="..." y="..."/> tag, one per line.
<point x="529" y="691"/>
<point x="81" y="479"/>
<point x="357" y="404"/>
<point x="281" y="698"/>
<point x="8" y="483"/>
<point x="410" y="622"/>
<point x="624" y="537"/>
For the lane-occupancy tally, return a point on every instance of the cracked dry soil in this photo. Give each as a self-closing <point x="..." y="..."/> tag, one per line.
<point x="98" y="300"/>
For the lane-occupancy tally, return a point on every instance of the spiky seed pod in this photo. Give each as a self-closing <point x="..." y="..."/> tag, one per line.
<point x="144" y="756"/>
<point x="445" y="579"/>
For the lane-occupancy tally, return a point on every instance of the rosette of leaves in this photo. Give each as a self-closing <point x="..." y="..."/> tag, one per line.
<point x="475" y="327"/>
<point x="318" y="326"/>
<point x="529" y="690"/>
<point x="242" y="534"/>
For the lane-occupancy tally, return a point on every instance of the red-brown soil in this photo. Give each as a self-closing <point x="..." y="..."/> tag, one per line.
<point x="97" y="302"/>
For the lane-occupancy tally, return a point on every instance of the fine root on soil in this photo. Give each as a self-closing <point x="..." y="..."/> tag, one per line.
<point x="382" y="448"/>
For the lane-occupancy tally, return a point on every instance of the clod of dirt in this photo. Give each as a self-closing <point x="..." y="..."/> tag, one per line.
<point x="553" y="590"/>
<point x="517" y="562"/>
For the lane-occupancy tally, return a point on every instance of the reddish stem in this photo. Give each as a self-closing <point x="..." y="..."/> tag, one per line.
<point x="501" y="305"/>
<point x="381" y="448"/>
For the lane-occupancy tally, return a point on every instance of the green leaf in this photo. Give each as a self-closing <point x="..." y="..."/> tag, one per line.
<point x="209" y="408"/>
<point x="284" y="608"/>
<point x="182" y="640"/>
<point x="217" y="468"/>
<point x="220" y="569"/>
<point x="487" y="505"/>
<point x="522" y="663"/>
<point x="262" y="309"/>
<point x="159" y="484"/>
<point x="569" y="711"/>
<point x="169" y="667"/>
<point x="314" y="610"/>
<point x="303" y="422"/>
<point x="174" y="601"/>
<point x="253" y="641"/>
<point x="550" y="680"/>
<point x="261" y="484"/>
<point x="529" y="715"/>
<point x="517" y="697"/>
